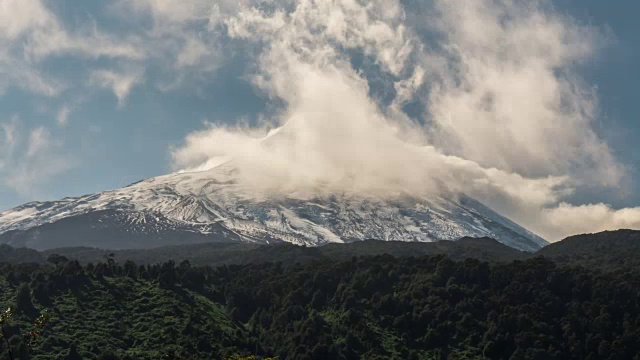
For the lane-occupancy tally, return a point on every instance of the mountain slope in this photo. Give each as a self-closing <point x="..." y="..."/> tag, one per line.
<point x="215" y="254"/>
<point x="211" y="206"/>
<point x="608" y="250"/>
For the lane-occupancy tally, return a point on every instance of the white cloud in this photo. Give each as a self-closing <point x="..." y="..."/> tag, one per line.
<point x="31" y="27"/>
<point x="171" y="11"/>
<point x="509" y="121"/>
<point x="120" y="83"/>
<point x="31" y="33"/>
<point x="20" y="16"/>
<point x="177" y="42"/>
<point x="29" y="158"/>
<point x="9" y="134"/>
<point x="62" y="117"/>
<point x="178" y="37"/>
<point x="192" y="53"/>
<point x="566" y="219"/>
<point x="39" y="140"/>
<point x="509" y="96"/>
<point x="15" y="72"/>
<point x="7" y="142"/>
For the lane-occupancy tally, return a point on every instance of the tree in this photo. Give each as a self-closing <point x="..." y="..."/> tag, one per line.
<point x="73" y="353"/>
<point x="167" y="275"/>
<point x="57" y="259"/>
<point x="41" y="293"/>
<point x="110" y="259"/>
<point x="131" y="269"/>
<point x="20" y="348"/>
<point x="5" y="318"/>
<point x="24" y="304"/>
<point x="108" y="355"/>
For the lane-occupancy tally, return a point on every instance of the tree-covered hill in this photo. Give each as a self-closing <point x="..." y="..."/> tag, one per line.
<point x="607" y="250"/>
<point x="244" y="253"/>
<point x="13" y="255"/>
<point x="234" y="253"/>
<point x="374" y="307"/>
<point x="470" y="299"/>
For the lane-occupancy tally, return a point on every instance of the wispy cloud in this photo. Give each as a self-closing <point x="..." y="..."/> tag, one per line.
<point x="62" y="117"/>
<point x="29" y="157"/>
<point x="181" y="36"/>
<point x="508" y="94"/>
<point x="120" y="83"/>
<point x="30" y="33"/>
<point x="7" y="143"/>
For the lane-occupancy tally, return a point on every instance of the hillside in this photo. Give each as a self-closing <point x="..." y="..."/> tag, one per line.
<point x="379" y="307"/>
<point x="241" y="253"/>
<point x="609" y="250"/>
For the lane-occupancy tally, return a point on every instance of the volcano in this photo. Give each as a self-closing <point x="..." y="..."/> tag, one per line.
<point x="212" y="206"/>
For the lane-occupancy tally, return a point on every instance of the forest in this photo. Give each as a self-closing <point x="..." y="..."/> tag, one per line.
<point x="363" y="307"/>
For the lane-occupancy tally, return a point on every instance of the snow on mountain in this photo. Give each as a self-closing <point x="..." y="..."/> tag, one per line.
<point x="210" y="206"/>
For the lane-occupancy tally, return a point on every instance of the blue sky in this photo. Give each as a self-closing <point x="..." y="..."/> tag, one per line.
<point x="96" y="95"/>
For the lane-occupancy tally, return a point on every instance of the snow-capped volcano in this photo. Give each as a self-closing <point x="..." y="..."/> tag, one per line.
<point x="211" y="206"/>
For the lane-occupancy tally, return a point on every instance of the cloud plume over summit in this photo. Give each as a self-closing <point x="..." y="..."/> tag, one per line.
<point x="503" y="114"/>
